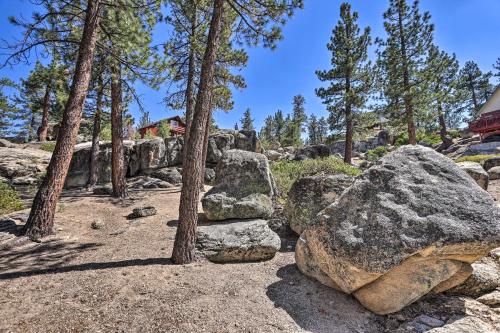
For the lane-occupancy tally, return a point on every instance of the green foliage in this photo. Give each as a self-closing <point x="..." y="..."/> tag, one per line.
<point x="163" y="129"/>
<point x="7" y="108"/>
<point x="48" y="146"/>
<point x="9" y="199"/>
<point x="376" y="154"/>
<point x="426" y="138"/>
<point x="350" y="78"/>
<point x="475" y="158"/>
<point x="247" y="121"/>
<point x="287" y="172"/>
<point x="454" y="133"/>
<point x="402" y="62"/>
<point x="106" y="133"/>
<point x="477" y="85"/>
<point x="496" y="66"/>
<point x="317" y="130"/>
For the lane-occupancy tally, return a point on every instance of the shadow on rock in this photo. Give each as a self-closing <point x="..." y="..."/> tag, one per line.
<point x="319" y="309"/>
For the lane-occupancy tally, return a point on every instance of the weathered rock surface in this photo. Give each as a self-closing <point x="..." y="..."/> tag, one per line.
<point x="494" y="173"/>
<point x="476" y="171"/>
<point x="310" y="195"/>
<point x="22" y="167"/>
<point x="142" y="212"/>
<point x="171" y="175"/>
<point x="145" y="157"/>
<point x="7" y="144"/>
<point x="251" y="240"/>
<point x="312" y="152"/>
<point x="491" y="163"/>
<point x="411" y="224"/>
<point x="244" y="188"/>
<point x="485" y="278"/>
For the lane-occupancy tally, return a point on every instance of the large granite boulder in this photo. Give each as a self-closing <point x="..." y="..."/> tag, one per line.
<point x="312" y="152"/>
<point x="411" y="224"/>
<point x="169" y="174"/>
<point x="310" y="195"/>
<point x="243" y="188"/>
<point x="476" y="171"/>
<point x="238" y="241"/>
<point x="22" y="167"/>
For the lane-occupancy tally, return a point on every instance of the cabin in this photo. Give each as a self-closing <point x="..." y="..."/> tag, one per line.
<point x="177" y="127"/>
<point x="488" y="123"/>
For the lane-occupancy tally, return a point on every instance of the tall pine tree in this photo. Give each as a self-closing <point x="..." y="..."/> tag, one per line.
<point x="478" y="87"/>
<point x="402" y="62"/>
<point x="247" y="121"/>
<point x="349" y="77"/>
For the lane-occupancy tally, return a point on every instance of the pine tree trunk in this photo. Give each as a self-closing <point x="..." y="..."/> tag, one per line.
<point x="185" y="237"/>
<point x="190" y="89"/>
<point x="42" y="130"/>
<point x="118" y="152"/>
<point x="205" y="151"/>
<point x="443" y="132"/>
<point x="474" y="97"/>
<point x="412" y="134"/>
<point x="348" y="136"/>
<point x="96" y="131"/>
<point x="41" y="219"/>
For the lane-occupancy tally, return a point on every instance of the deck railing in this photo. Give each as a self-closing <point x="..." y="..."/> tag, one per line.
<point x="488" y="122"/>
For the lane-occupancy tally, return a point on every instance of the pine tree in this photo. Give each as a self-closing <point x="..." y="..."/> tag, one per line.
<point x="322" y="130"/>
<point x="8" y="108"/>
<point x="349" y="77"/>
<point x="299" y="120"/>
<point x="443" y="80"/>
<point x="402" y="60"/>
<point x="41" y="219"/>
<point x="497" y="68"/>
<point x="247" y="121"/>
<point x="477" y="85"/>
<point x="279" y="126"/>
<point x="255" y="23"/>
<point x="144" y="120"/>
<point x="266" y="133"/>
<point x="312" y="130"/>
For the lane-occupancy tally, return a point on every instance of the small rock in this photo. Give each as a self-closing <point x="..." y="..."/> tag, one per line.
<point x="491" y="299"/>
<point x="491" y="163"/>
<point x="476" y="171"/>
<point x="494" y="173"/>
<point x="430" y="321"/>
<point x="142" y="212"/>
<point x="97" y="224"/>
<point x="248" y="240"/>
<point x="103" y="190"/>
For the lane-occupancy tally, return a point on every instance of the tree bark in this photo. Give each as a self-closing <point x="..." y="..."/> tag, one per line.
<point x="443" y="132"/>
<point x="41" y="219"/>
<point x="205" y="150"/>
<point x="474" y="97"/>
<point x="412" y="135"/>
<point x="118" y="152"/>
<point x="185" y="237"/>
<point x="190" y="88"/>
<point x="42" y="130"/>
<point x="96" y="131"/>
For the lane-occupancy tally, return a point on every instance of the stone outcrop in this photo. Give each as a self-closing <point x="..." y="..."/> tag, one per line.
<point x="491" y="163"/>
<point x="243" y="188"/>
<point x="22" y="167"/>
<point x="494" y="173"/>
<point x="412" y="224"/>
<point x="146" y="157"/>
<point x="312" y="152"/>
<point x="238" y="241"/>
<point x="310" y="195"/>
<point x="476" y="171"/>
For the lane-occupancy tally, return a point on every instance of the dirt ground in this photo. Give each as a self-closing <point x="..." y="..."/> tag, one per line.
<point x="120" y="279"/>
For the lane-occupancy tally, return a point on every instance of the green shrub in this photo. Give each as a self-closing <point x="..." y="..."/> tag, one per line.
<point x="376" y="154"/>
<point x="48" y="146"/>
<point x="105" y="134"/>
<point x="287" y="172"/>
<point x="9" y="199"/>
<point x="475" y="158"/>
<point x="164" y="129"/>
<point x="454" y="133"/>
<point x="427" y="138"/>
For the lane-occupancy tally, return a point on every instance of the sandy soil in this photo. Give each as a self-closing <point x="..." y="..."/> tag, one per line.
<point x="120" y="279"/>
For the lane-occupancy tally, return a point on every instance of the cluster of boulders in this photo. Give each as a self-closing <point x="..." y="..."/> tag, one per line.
<point x="412" y="224"/>
<point x="156" y="158"/>
<point x="482" y="174"/>
<point x="238" y="207"/>
<point x="278" y="153"/>
<point x="469" y="145"/>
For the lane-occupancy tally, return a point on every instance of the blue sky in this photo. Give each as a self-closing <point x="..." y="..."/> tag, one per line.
<point x="468" y="28"/>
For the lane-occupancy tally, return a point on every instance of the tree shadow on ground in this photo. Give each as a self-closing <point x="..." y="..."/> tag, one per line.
<point x="320" y="309"/>
<point x="53" y="256"/>
<point x="317" y="308"/>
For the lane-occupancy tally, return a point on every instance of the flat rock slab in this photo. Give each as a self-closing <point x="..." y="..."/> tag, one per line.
<point x="248" y="240"/>
<point x="142" y="212"/>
